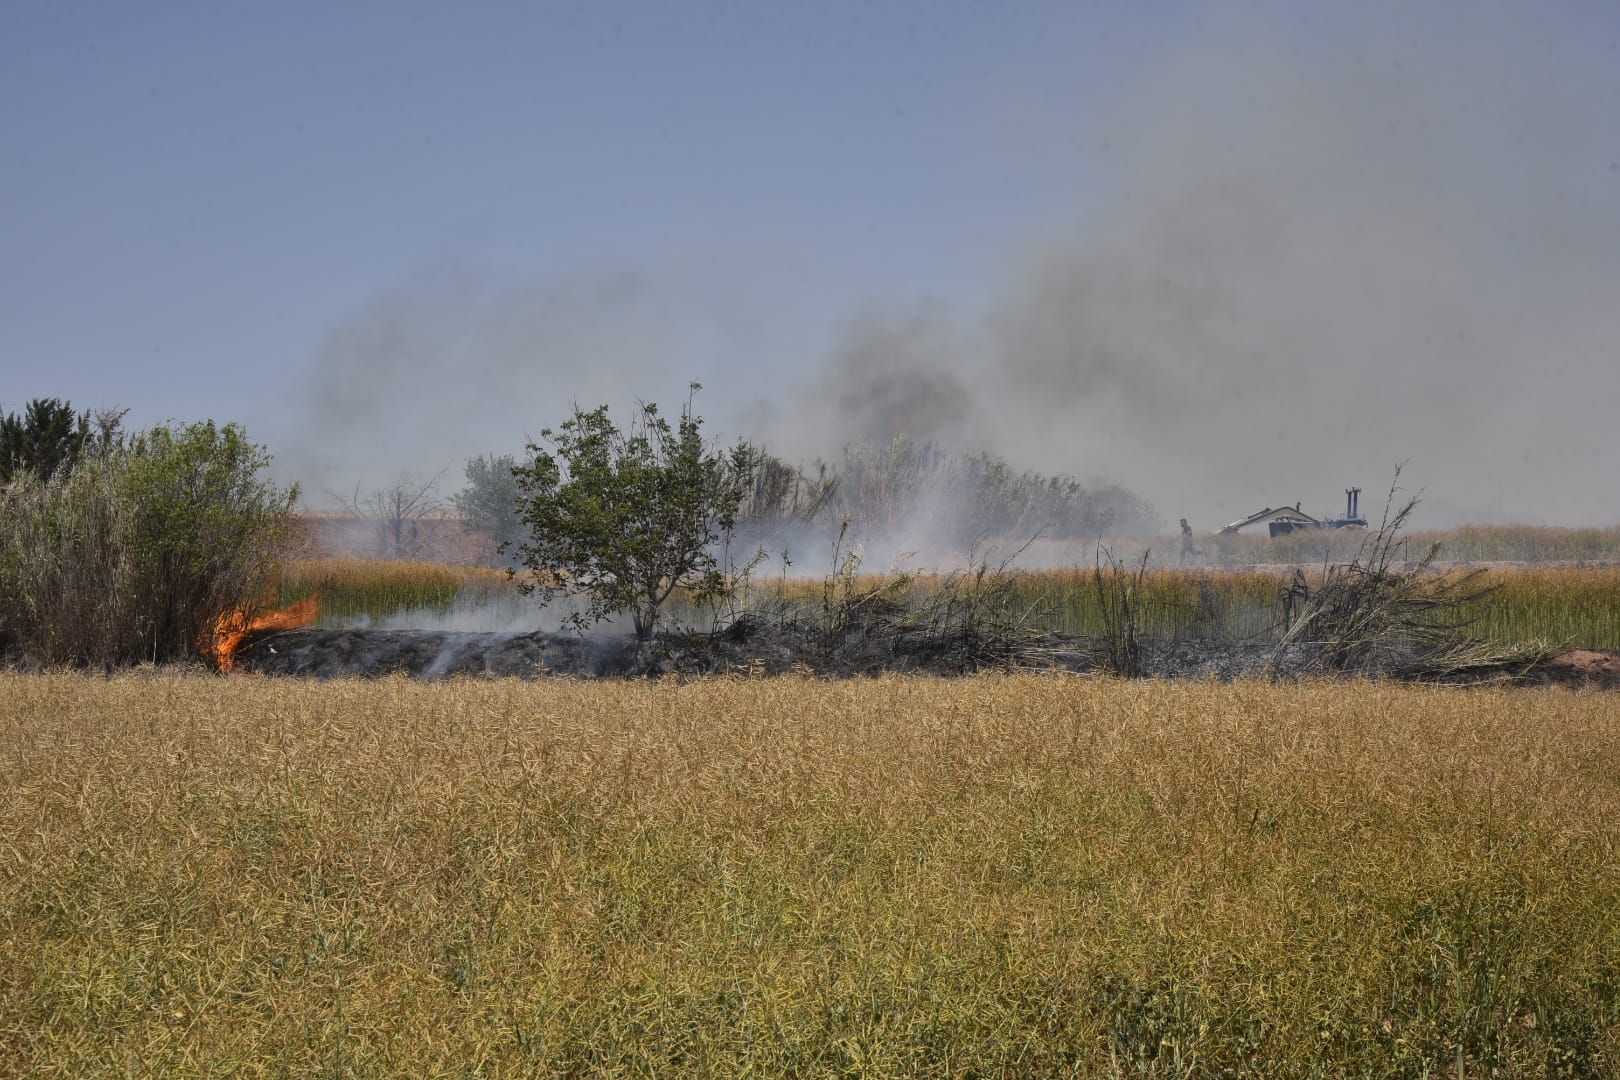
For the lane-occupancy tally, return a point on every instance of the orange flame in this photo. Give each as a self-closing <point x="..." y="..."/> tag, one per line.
<point x="233" y="627"/>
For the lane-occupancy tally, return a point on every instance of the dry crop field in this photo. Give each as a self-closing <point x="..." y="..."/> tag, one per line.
<point x="999" y="875"/>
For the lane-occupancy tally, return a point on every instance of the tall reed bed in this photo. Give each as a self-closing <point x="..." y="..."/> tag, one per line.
<point x="373" y="588"/>
<point x="1468" y="543"/>
<point x="1523" y="543"/>
<point x="1557" y="605"/>
<point x="1573" y="607"/>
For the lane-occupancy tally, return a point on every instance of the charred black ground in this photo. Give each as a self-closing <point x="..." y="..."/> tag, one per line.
<point x="1378" y="615"/>
<point x="327" y="653"/>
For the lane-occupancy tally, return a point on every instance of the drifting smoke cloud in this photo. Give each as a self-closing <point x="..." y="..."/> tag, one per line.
<point x="1304" y="265"/>
<point x="444" y="367"/>
<point x="903" y="370"/>
<point x="1297" y="264"/>
<point x="1311" y="266"/>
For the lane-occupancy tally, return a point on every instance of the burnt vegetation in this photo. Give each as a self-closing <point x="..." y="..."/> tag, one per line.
<point x="976" y="618"/>
<point x="1383" y="612"/>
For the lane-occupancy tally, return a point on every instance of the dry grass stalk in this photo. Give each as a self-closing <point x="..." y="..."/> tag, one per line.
<point x="1118" y="589"/>
<point x="1384" y="613"/>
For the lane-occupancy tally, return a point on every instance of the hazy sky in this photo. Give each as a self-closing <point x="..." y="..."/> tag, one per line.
<point x="1227" y="254"/>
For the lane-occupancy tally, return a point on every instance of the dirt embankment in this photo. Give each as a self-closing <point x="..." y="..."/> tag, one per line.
<point x="1580" y="667"/>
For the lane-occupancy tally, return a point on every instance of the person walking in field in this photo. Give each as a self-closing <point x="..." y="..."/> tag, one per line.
<point x="1189" y="550"/>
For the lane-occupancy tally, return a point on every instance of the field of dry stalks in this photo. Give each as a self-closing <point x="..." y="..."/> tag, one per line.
<point x="1030" y="876"/>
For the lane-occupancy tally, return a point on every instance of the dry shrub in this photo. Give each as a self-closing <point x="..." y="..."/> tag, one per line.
<point x="1383" y="613"/>
<point x="980" y="617"/>
<point x="1118" y="589"/>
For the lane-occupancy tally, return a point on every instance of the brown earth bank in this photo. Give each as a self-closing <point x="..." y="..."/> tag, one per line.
<point x="333" y="653"/>
<point x="1581" y="667"/>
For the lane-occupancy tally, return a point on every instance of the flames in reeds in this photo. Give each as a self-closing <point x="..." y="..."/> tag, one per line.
<point x="233" y="627"/>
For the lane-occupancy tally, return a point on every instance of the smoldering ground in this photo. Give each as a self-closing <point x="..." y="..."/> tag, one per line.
<point x="1300" y="257"/>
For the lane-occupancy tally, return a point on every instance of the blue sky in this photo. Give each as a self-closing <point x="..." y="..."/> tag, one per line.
<point x="208" y="205"/>
<point x="198" y="188"/>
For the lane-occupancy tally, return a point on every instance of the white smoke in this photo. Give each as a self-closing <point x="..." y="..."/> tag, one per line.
<point x="1299" y="259"/>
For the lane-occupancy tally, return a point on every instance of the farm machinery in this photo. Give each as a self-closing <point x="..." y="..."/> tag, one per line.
<point x="1286" y="519"/>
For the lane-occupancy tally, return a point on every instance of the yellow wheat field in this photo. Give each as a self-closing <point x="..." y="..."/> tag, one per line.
<point x="995" y="876"/>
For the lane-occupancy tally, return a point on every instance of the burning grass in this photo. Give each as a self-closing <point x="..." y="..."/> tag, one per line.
<point x="903" y="877"/>
<point x="233" y="627"/>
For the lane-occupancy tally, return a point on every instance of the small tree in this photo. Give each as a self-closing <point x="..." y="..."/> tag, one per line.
<point x="489" y="504"/>
<point x="621" y="519"/>
<point x="45" y="437"/>
<point x="403" y="516"/>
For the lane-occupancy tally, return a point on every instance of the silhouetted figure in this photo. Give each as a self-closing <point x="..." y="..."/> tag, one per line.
<point x="1188" y="548"/>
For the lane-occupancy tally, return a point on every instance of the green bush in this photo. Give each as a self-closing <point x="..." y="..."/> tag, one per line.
<point x="136" y="553"/>
<point x="621" y="519"/>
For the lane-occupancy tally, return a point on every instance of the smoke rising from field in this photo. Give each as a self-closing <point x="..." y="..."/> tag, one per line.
<point x="896" y="373"/>
<point x="445" y="366"/>
<point x="1295" y="264"/>
<point x="1305" y="265"/>
<point x="1312" y="264"/>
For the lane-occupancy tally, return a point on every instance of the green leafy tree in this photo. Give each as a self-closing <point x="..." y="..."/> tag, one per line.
<point x="47" y="436"/>
<point x="489" y="504"/>
<point x="620" y="519"/>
